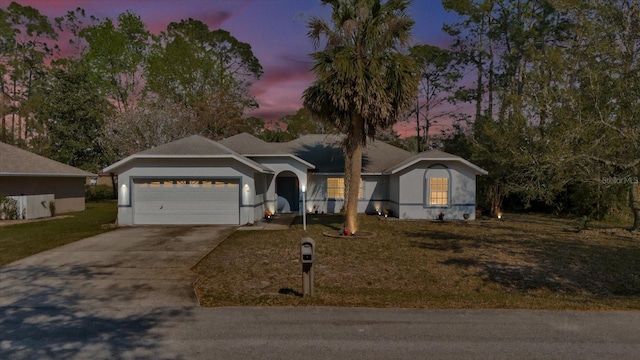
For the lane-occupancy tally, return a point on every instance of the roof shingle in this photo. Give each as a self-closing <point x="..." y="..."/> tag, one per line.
<point x="18" y="162"/>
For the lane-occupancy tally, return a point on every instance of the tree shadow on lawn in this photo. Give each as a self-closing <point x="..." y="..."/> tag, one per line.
<point x="40" y="317"/>
<point x="538" y="255"/>
<point x="561" y="267"/>
<point x="449" y="245"/>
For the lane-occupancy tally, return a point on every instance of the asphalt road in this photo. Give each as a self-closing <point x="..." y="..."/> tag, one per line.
<point x="316" y="333"/>
<point x="127" y="294"/>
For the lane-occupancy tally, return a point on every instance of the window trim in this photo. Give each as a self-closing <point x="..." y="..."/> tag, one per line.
<point x="436" y="172"/>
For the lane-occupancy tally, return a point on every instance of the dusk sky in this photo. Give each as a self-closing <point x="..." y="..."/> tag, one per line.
<point x="275" y="29"/>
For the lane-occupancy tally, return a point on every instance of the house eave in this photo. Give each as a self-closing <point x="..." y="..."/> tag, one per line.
<point x="305" y="163"/>
<point x="477" y="169"/>
<point x="10" y="174"/>
<point x="342" y="173"/>
<point x="114" y="167"/>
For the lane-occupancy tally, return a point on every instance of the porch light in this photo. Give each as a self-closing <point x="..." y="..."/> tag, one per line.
<point x="247" y="188"/>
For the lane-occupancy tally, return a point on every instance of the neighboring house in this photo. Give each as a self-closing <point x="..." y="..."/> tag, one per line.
<point x="234" y="181"/>
<point x="26" y="174"/>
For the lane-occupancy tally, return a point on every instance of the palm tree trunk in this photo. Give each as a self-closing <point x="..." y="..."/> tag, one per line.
<point x="357" y="124"/>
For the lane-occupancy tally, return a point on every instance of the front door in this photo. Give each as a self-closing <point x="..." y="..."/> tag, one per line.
<point x="288" y="194"/>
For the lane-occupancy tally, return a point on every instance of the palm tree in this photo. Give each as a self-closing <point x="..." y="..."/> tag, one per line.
<point x="364" y="76"/>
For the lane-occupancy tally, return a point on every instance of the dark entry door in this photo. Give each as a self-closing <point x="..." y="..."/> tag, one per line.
<point x="287" y="188"/>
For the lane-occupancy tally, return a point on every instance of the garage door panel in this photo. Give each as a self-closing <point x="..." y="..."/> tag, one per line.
<point x="186" y="202"/>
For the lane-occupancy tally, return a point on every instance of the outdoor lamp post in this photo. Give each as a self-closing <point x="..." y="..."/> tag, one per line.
<point x="304" y="208"/>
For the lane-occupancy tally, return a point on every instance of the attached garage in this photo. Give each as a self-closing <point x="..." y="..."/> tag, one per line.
<point x="191" y="181"/>
<point x="186" y="201"/>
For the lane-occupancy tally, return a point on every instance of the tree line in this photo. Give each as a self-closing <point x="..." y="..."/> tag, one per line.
<point x="555" y="87"/>
<point x="112" y="88"/>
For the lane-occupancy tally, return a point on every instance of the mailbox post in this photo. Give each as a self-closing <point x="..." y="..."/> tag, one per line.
<point x="307" y="255"/>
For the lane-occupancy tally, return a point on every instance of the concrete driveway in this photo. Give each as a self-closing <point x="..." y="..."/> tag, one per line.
<point x="128" y="267"/>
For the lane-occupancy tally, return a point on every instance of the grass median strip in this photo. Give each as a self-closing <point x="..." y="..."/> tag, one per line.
<point x="526" y="262"/>
<point x="21" y="240"/>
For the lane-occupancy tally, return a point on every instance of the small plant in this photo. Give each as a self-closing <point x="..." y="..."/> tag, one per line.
<point x="441" y="216"/>
<point x="52" y="208"/>
<point x="584" y="223"/>
<point x="8" y="208"/>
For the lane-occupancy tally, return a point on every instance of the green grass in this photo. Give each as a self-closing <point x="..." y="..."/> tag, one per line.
<point x="22" y="240"/>
<point x="523" y="262"/>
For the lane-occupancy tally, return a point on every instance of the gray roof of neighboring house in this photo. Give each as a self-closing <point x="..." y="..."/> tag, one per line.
<point x="18" y="162"/>
<point x="194" y="146"/>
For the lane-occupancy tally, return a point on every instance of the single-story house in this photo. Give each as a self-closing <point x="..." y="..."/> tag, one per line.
<point x="234" y="181"/>
<point x="25" y="174"/>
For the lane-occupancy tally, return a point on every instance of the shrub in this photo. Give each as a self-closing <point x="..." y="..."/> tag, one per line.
<point x="8" y="208"/>
<point x="98" y="192"/>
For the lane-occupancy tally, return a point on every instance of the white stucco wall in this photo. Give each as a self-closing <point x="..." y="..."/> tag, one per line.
<point x="413" y="203"/>
<point x="279" y="165"/>
<point x="375" y="194"/>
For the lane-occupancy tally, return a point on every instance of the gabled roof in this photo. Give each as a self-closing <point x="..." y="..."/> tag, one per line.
<point x="325" y="152"/>
<point x="247" y="144"/>
<point x="18" y="162"/>
<point x="433" y="156"/>
<point x="192" y="147"/>
<point x="320" y="152"/>
<point x="252" y="147"/>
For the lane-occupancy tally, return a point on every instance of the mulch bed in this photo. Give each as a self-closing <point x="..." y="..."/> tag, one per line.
<point x="359" y="235"/>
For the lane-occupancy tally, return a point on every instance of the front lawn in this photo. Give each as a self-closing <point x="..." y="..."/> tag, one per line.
<point x="523" y="262"/>
<point x="22" y="240"/>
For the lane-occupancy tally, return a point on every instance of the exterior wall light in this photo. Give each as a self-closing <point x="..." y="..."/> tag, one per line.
<point x="123" y="195"/>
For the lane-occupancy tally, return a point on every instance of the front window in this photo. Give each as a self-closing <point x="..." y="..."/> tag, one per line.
<point x="335" y="188"/>
<point x="438" y="191"/>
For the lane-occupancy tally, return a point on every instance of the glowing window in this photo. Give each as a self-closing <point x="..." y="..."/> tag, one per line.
<point x="438" y="191"/>
<point x="335" y="188"/>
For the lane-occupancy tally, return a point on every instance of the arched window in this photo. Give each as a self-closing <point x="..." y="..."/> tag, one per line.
<point x="437" y="186"/>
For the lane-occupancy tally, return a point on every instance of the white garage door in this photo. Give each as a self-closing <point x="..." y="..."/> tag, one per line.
<point x="178" y="201"/>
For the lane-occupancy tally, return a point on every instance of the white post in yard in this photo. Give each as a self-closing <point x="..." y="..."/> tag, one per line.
<point x="304" y="208"/>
